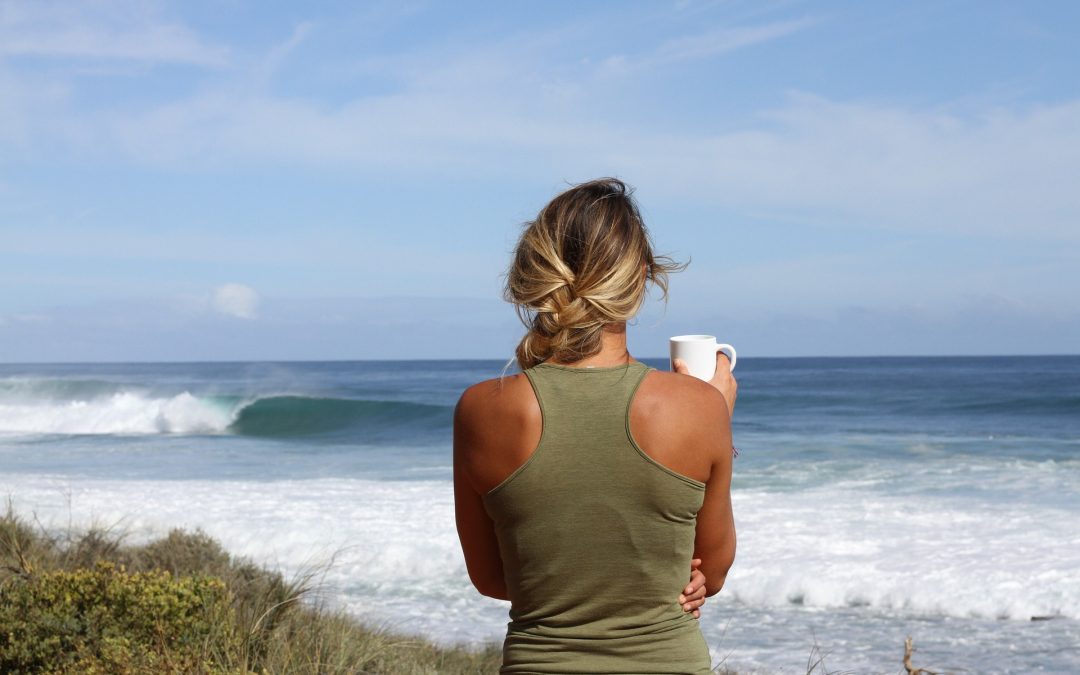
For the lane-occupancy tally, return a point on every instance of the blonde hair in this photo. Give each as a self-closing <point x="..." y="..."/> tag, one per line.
<point x="579" y="266"/>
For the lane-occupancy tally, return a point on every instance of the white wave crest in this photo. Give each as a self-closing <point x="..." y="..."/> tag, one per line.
<point x="124" y="412"/>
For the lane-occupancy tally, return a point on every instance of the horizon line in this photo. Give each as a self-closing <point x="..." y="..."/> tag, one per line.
<point x="490" y="359"/>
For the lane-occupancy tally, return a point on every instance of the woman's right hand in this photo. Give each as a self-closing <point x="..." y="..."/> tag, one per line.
<point x="722" y="379"/>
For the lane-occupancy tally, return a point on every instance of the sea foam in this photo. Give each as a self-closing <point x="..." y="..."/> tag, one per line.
<point x="932" y="557"/>
<point x="123" y="412"/>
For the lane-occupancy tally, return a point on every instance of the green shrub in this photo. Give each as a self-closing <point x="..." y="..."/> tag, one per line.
<point x="85" y="602"/>
<point x="107" y="620"/>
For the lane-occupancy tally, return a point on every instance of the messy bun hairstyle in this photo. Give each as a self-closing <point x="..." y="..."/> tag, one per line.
<point x="583" y="263"/>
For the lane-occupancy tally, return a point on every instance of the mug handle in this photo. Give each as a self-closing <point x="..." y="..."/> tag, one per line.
<point x="730" y="351"/>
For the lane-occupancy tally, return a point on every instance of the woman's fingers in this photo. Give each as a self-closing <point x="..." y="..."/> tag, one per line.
<point x="698" y="592"/>
<point x="697" y="577"/>
<point x="693" y="596"/>
<point x="696" y="585"/>
<point x="693" y="605"/>
<point x="724" y="380"/>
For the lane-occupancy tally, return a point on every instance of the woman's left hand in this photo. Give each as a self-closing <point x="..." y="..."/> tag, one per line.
<point x="693" y="596"/>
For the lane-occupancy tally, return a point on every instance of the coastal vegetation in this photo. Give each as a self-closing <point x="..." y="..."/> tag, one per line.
<point x="86" y="602"/>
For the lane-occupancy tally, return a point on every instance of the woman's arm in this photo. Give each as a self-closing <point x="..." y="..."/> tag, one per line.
<point x="714" y="541"/>
<point x="475" y="528"/>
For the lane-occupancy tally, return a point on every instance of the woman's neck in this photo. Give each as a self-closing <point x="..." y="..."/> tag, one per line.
<point x="612" y="352"/>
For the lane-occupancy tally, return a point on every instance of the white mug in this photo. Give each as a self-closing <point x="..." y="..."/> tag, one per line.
<point x="699" y="353"/>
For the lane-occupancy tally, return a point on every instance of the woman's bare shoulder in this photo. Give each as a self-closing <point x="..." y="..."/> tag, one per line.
<point x="495" y="391"/>
<point x="676" y="420"/>
<point x="497" y="425"/>
<point x="497" y="400"/>
<point x="663" y="390"/>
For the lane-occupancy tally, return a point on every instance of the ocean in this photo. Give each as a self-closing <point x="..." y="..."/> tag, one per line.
<point x="874" y="498"/>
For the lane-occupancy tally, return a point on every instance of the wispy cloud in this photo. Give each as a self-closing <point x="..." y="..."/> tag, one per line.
<point x="1002" y="172"/>
<point x="127" y="31"/>
<point x="710" y="43"/>
<point x="504" y="108"/>
<point x="852" y="163"/>
<point x="280" y="52"/>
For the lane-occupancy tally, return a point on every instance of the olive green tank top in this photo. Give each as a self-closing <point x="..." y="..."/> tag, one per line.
<point x="596" y="537"/>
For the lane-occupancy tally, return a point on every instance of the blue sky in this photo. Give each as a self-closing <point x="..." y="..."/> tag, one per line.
<point x="242" y="180"/>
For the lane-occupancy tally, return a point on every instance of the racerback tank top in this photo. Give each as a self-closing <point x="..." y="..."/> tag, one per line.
<point x="596" y="537"/>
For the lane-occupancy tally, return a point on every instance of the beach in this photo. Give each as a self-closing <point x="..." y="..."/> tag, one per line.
<point x="874" y="498"/>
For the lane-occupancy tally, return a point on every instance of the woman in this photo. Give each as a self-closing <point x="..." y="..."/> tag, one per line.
<point x="585" y="485"/>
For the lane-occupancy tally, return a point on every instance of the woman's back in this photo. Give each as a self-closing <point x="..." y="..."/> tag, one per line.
<point x="584" y="486"/>
<point x="595" y="536"/>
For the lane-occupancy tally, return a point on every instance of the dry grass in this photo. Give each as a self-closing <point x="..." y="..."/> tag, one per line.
<point x="282" y="625"/>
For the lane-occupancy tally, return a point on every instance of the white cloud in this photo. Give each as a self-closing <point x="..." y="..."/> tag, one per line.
<point x="502" y="109"/>
<point x="1002" y="172"/>
<point x="25" y="318"/>
<point x="23" y="103"/>
<point x="118" y="30"/>
<point x="236" y="300"/>
<point x="281" y="52"/>
<point x="710" y="43"/>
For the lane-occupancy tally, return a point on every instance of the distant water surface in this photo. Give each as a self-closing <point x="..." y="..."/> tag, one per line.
<point x="874" y="497"/>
